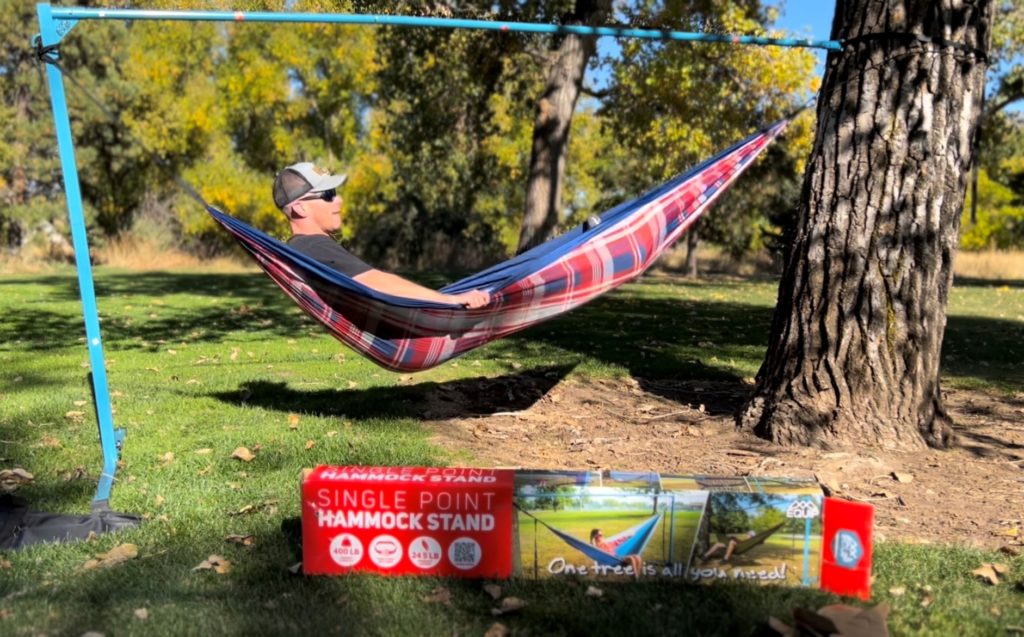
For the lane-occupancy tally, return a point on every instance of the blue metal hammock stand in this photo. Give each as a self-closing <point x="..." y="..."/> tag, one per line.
<point x="56" y="22"/>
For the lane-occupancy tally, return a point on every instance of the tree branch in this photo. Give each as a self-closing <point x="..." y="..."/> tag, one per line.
<point x="595" y="93"/>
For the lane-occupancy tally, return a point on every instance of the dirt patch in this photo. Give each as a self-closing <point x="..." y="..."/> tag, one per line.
<point x="970" y="496"/>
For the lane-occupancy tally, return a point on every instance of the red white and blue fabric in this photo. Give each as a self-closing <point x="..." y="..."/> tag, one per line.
<point x="404" y="334"/>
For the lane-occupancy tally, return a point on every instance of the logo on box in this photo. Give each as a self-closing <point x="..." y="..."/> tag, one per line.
<point x="346" y="550"/>
<point x="425" y="552"/>
<point x="385" y="551"/>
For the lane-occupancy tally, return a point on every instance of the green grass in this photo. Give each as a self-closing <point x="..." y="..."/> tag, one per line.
<point x="203" y="361"/>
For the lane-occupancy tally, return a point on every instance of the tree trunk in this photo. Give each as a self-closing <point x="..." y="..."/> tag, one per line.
<point x="551" y="129"/>
<point x="692" y="243"/>
<point x="853" y="355"/>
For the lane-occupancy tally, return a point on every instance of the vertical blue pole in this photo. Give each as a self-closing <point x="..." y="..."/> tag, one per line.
<point x="109" y="439"/>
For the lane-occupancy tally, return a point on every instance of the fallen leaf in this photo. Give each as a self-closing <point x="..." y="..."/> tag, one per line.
<point x="75" y="416"/>
<point x="159" y="500"/>
<point x="295" y="568"/>
<point x="116" y="555"/>
<point x="247" y="541"/>
<point x="11" y="479"/>
<point x="78" y="473"/>
<point x="49" y="441"/>
<point x="270" y="505"/>
<point x="987" y="573"/>
<point x="6" y="613"/>
<point x="857" y="622"/>
<point x="204" y="451"/>
<point x="293" y="421"/>
<point x="167" y="458"/>
<point x="782" y="628"/>
<point x="1012" y="551"/>
<point x="440" y="595"/>
<point x="509" y="605"/>
<point x="243" y="454"/>
<point x="902" y="477"/>
<point x="837" y="619"/>
<point x="896" y="591"/>
<point x="926" y="600"/>
<point x="593" y="591"/>
<point x="497" y="629"/>
<point x="141" y="614"/>
<point x="214" y="563"/>
<point x="4" y="564"/>
<point x="493" y="590"/>
<point x="352" y="384"/>
<point x="310" y="444"/>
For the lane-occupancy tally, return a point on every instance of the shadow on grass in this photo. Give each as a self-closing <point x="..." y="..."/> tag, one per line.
<point x="432" y="400"/>
<point x="988" y="283"/>
<point x="260" y="597"/>
<point x="653" y="338"/>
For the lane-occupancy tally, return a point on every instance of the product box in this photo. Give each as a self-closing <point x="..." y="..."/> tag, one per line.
<point x="454" y="522"/>
<point x="608" y="525"/>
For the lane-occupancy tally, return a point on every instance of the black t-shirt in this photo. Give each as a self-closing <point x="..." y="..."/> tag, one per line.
<point x="327" y="251"/>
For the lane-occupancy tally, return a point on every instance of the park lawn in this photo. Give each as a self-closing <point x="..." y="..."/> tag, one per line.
<point x="203" y="363"/>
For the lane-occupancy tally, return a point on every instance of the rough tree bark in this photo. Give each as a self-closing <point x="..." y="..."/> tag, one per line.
<point x="853" y="355"/>
<point x="551" y="128"/>
<point x="692" y="243"/>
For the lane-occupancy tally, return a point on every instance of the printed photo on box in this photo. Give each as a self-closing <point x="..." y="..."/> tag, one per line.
<point x="611" y="525"/>
<point x="760" y="537"/>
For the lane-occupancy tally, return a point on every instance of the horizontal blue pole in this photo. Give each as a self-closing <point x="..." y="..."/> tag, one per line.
<point x="76" y="13"/>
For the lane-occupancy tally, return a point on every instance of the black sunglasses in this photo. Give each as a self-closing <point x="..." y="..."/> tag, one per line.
<point x="327" y="195"/>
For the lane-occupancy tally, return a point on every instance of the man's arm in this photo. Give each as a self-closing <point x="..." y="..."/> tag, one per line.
<point x="393" y="284"/>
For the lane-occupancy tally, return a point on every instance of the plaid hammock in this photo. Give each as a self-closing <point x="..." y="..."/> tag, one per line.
<point x="405" y="334"/>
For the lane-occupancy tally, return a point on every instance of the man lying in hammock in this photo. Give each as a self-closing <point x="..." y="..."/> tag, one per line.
<point x="309" y="197"/>
<point x="730" y="547"/>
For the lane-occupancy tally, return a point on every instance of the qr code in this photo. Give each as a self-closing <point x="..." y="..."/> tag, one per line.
<point x="463" y="552"/>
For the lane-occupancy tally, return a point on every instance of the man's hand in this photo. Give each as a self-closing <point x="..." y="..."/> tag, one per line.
<point x="472" y="300"/>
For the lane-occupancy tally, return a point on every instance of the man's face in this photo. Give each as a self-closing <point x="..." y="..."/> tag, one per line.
<point x="325" y="214"/>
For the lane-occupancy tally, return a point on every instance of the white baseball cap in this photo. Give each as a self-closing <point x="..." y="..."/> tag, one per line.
<point x="298" y="180"/>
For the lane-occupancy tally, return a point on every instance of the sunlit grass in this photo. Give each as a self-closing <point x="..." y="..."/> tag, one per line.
<point x="201" y="363"/>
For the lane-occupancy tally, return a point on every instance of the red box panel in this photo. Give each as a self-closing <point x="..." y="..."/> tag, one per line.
<point x="846" y="548"/>
<point x="453" y="522"/>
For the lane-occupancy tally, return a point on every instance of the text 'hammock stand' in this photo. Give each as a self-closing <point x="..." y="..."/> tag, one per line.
<point x="409" y="335"/>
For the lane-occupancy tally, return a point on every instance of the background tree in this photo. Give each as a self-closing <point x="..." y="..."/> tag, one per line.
<point x="31" y="190"/>
<point x="674" y="105"/>
<point x="567" y="63"/>
<point x="853" y="355"/>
